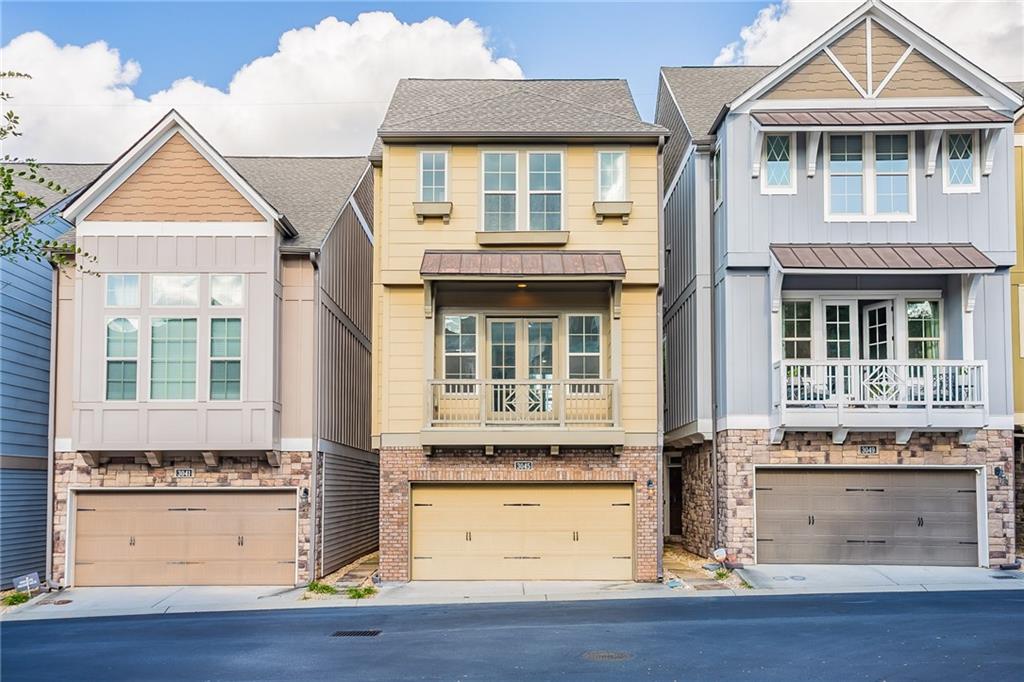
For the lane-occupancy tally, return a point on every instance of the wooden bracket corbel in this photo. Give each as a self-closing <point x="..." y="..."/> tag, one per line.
<point x="91" y="458"/>
<point x="489" y="450"/>
<point x="428" y="300"/>
<point x="154" y="459"/>
<point x="211" y="458"/>
<point x="617" y="300"/>
<point x="931" y="150"/>
<point x="989" y="137"/>
<point x="756" y="142"/>
<point x="273" y="458"/>
<point x="554" y="451"/>
<point x="813" y="140"/>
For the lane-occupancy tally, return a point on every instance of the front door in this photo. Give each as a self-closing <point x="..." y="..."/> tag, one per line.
<point x="675" y="500"/>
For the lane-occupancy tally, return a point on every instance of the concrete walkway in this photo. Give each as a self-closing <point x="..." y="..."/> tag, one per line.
<point x="817" y="579"/>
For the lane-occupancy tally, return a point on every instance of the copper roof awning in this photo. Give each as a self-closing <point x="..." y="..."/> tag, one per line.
<point x="889" y="258"/>
<point x="880" y="117"/>
<point x="516" y="264"/>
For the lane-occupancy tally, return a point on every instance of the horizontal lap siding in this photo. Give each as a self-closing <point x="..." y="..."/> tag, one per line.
<point x="350" y="508"/>
<point x="22" y="523"/>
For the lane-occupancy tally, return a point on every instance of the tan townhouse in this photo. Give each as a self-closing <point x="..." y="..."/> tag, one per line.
<point x="1017" y="313"/>
<point x="211" y="369"/>
<point x="516" y="331"/>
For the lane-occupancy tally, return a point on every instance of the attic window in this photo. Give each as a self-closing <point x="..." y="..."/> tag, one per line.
<point x="779" y="161"/>
<point x="960" y="163"/>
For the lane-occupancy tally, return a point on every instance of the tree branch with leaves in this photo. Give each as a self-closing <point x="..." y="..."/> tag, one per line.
<point x="18" y="207"/>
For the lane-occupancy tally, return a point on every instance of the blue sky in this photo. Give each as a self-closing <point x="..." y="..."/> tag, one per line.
<point x="210" y="41"/>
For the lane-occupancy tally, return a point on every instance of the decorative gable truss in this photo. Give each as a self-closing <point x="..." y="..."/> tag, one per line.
<point x="869" y="61"/>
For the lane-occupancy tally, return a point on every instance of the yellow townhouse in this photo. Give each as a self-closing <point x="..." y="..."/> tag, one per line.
<point x="1017" y="313"/>
<point x="516" y="331"/>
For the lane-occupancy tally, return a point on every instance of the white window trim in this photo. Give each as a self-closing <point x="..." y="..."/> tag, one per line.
<point x="200" y="354"/>
<point x="975" y="186"/>
<point x="107" y="358"/>
<point x="717" y="178"/>
<point x="215" y="307"/>
<point x="869" y="213"/>
<point x="899" y="300"/>
<point x="778" y="189"/>
<point x="210" y="358"/>
<point x="600" y="349"/>
<point x="181" y="306"/>
<point x="138" y="290"/>
<point x="782" y="319"/>
<point x="625" y="171"/>
<point x="476" y="347"/>
<point x="561" y="192"/>
<point x="483" y="191"/>
<point x="942" y="327"/>
<point x="447" y="173"/>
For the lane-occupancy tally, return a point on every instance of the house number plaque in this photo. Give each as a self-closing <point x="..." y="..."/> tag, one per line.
<point x="869" y="449"/>
<point x="183" y="472"/>
<point x="523" y="465"/>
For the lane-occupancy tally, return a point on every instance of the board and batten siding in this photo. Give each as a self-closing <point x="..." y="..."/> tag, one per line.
<point x="756" y="220"/>
<point x="349" y="506"/>
<point x="1017" y="281"/>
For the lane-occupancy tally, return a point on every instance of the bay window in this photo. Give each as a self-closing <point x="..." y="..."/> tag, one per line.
<point x="178" y="291"/>
<point x="226" y="358"/>
<point x="122" y="291"/>
<point x="227" y="290"/>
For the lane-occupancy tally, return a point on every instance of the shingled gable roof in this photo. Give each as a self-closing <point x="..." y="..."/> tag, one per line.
<point x="514" y="108"/>
<point x="309" y="191"/>
<point x="701" y="91"/>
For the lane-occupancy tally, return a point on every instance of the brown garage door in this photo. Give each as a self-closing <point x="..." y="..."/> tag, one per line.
<point x="522" y="532"/>
<point x="185" y="538"/>
<point x="842" y="516"/>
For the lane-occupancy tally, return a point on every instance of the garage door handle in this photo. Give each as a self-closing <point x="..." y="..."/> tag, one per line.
<point x="920" y="521"/>
<point x="469" y="536"/>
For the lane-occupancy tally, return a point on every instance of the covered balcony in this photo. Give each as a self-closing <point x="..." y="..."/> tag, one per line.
<point x="851" y="353"/>
<point x="524" y="350"/>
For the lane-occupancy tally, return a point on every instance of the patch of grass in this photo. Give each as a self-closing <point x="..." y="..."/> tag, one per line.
<point x="15" y="598"/>
<point x="318" y="587"/>
<point x="745" y="585"/>
<point x="722" y="574"/>
<point x="361" y="592"/>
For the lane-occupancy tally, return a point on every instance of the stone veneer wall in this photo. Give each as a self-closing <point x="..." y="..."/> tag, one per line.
<point x="1018" y="474"/>
<point x="70" y="471"/>
<point x="740" y="450"/>
<point x="698" y="500"/>
<point x="400" y="466"/>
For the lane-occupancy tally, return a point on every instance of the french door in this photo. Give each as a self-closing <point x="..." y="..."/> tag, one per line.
<point x="878" y="327"/>
<point x="521" y="359"/>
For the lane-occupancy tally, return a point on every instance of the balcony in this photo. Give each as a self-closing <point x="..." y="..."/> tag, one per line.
<point x="880" y="395"/>
<point x="527" y="412"/>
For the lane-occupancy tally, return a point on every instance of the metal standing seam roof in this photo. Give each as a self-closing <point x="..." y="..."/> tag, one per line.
<point x="874" y="117"/>
<point x="881" y="257"/>
<point x="543" y="263"/>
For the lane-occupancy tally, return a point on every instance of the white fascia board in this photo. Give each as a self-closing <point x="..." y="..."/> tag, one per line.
<point x="974" y="102"/>
<point x="143" y="149"/>
<point x="885" y="128"/>
<point x="105" y="228"/>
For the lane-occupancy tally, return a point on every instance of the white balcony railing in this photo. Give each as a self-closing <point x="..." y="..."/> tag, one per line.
<point x="883" y="393"/>
<point x="589" y="403"/>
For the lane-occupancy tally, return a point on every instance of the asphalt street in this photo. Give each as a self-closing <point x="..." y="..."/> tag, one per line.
<point x="906" y="636"/>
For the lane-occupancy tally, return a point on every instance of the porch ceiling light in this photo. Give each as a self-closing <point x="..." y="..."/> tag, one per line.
<point x="520" y="285"/>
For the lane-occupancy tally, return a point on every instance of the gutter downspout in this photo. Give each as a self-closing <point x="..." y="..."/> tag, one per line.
<point x="661" y="359"/>
<point x="713" y="288"/>
<point x="315" y="523"/>
<point x="51" y="423"/>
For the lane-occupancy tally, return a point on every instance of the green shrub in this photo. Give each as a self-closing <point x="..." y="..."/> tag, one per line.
<point x="361" y="592"/>
<point x="15" y="598"/>
<point x="722" y="574"/>
<point x="318" y="587"/>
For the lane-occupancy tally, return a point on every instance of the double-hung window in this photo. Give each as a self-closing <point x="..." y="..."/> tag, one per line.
<point x="779" y="173"/>
<point x="716" y="176"/>
<point x="796" y="330"/>
<point x="846" y="174"/>
<point x="172" y="358"/>
<point x="584" y="351"/>
<point x="960" y="168"/>
<point x="870" y="177"/>
<point x="433" y="176"/>
<point x="500" y="191"/>
<point x="122" y="357"/>
<point x="545" y="190"/>
<point x="611" y="176"/>
<point x="225" y="358"/>
<point x="924" y="330"/>
<point x="459" y="355"/>
<point x="892" y="174"/>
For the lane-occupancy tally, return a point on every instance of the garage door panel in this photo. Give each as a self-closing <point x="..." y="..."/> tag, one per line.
<point x="866" y="516"/>
<point x="521" y="531"/>
<point x="185" y="538"/>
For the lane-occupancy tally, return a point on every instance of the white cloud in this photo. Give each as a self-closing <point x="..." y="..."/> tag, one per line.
<point x="990" y="34"/>
<point x="324" y="91"/>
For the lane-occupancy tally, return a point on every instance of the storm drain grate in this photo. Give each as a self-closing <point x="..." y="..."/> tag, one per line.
<point x="607" y="656"/>
<point x="1005" y="577"/>
<point x="356" y="633"/>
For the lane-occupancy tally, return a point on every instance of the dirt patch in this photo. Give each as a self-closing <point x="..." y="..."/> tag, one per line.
<point x="358" y="574"/>
<point x="689" y="568"/>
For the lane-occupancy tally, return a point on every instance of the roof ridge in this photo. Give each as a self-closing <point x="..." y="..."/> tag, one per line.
<point x="444" y="111"/>
<point x="723" y="66"/>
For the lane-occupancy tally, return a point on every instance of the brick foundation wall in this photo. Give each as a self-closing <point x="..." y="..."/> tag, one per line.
<point x="400" y="467"/>
<point x="740" y="450"/>
<point x="1018" y="476"/>
<point x="71" y="471"/>
<point x="698" y="500"/>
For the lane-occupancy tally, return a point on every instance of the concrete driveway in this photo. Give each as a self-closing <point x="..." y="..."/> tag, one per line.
<point x="815" y="578"/>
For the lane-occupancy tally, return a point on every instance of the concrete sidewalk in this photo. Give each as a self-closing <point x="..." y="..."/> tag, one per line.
<point x="820" y="579"/>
